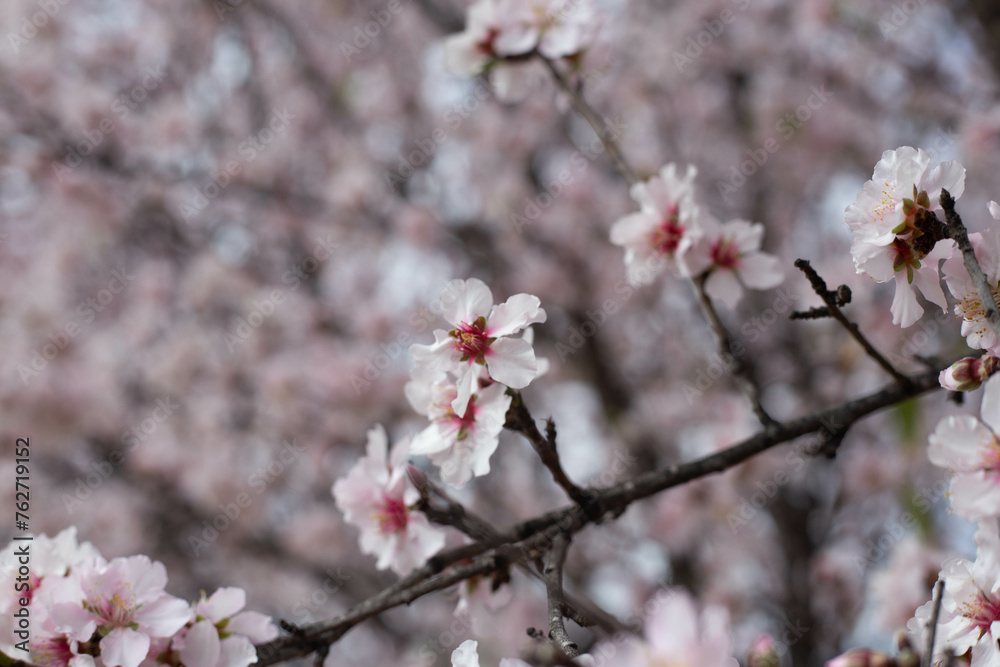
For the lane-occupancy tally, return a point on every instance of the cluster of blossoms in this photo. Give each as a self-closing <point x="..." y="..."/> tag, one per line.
<point x="501" y="34"/>
<point x="86" y="611"/>
<point x="671" y="231"/>
<point x="460" y="384"/>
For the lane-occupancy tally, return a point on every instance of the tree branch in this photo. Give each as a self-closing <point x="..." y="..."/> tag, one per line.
<point x="833" y="302"/>
<point x="958" y="233"/>
<point x="554" y="590"/>
<point x="928" y="658"/>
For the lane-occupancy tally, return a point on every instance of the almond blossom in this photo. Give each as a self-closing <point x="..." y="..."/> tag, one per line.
<point x="676" y="633"/>
<point x="377" y="497"/>
<point x="730" y="255"/>
<point x="969" y="623"/>
<point x="667" y="223"/>
<point x="460" y="445"/>
<point x="222" y="635"/>
<point x="970" y="448"/>
<point x="498" y="29"/>
<point x="968" y="373"/>
<point x="124" y="600"/>
<point x="481" y="337"/>
<point x="977" y="331"/>
<point x="892" y="237"/>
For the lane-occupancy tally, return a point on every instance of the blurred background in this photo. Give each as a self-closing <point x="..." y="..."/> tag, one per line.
<point x="222" y="223"/>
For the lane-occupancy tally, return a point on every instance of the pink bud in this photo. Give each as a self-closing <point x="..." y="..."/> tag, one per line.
<point x="969" y="373"/>
<point x="763" y="653"/>
<point x="417" y="477"/>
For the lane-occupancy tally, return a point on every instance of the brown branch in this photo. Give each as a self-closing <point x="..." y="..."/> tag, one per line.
<point x="742" y="373"/>
<point x="519" y="419"/>
<point x="556" y="595"/>
<point x="533" y="538"/>
<point x="594" y="120"/>
<point x="832" y="299"/>
<point x="958" y="233"/>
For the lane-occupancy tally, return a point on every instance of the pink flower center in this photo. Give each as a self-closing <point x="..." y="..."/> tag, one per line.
<point x="394" y="516"/>
<point x="51" y="651"/>
<point x="34" y="581"/>
<point x="115" y="610"/>
<point x="666" y="238"/>
<point x="485" y="45"/>
<point x="471" y="340"/>
<point x="725" y="254"/>
<point x="983" y="612"/>
<point x="464" y="424"/>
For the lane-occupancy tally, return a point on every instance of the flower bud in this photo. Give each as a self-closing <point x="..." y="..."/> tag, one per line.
<point x="418" y="478"/>
<point x="862" y="657"/>
<point x="969" y="373"/>
<point x="763" y="653"/>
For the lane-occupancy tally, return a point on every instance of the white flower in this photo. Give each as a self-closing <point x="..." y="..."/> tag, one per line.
<point x="222" y="635"/>
<point x="667" y="223"/>
<point x="125" y="602"/>
<point x="460" y="445"/>
<point x="977" y="331"/>
<point x="677" y="634"/>
<point x="731" y="254"/>
<point x="969" y="447"/>
<point x="376" y="496"/>
<point x="885" y="221"/>
<point x="482" y="336"/>
<point x="467" y="655"/>
<point x="970" y="606"/>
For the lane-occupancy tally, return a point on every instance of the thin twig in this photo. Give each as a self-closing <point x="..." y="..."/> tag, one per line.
<point x="957" y="232"/>
<point x="556" y="596"/>
<point x="932" y="627"/>
<point x="831" y="299"/>
<point x="742" y="374"/>
<point x="596" y="123"/>
<point x="519" y="419"/>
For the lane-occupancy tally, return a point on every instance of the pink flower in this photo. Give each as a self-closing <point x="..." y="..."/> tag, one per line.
<point x="222" y="635"/>
<point x="884" y="220"/>
<point x="731" y="255"/>
<point x="677" y="634"/>
<point x="970" y="448"/>
<point x="125" y="602"/>
<point x="481" y="336"/>
<point x="471" y="51"/>
<point x="977" y="331"/>
<point x="460" y="445"/>
<point x="667" y="223"/>
<point x="763" y="653"/>
<point x="970" y="606"/>
<point x="376" y="496"/>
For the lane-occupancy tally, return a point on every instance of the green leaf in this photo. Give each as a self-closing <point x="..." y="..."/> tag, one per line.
<point x="907" y="416"/>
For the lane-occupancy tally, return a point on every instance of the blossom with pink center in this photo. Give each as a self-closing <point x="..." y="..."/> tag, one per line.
<point x="888" y="219"/>
<point x="969" y="306"/>
<point x="222" y="635"/>
<point x="730" y="255"/>
<point x="460" y="445"/>
<point x="969" y="624"/>
<point x="377" y="497"/>
<point x="971" y="449"/>
<point x="667" y="223"/>
<point x="125" y="602"/>
<point x="481" y="337"/>
<point x="499" y="29"/>
<point x="676" y="633"/>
